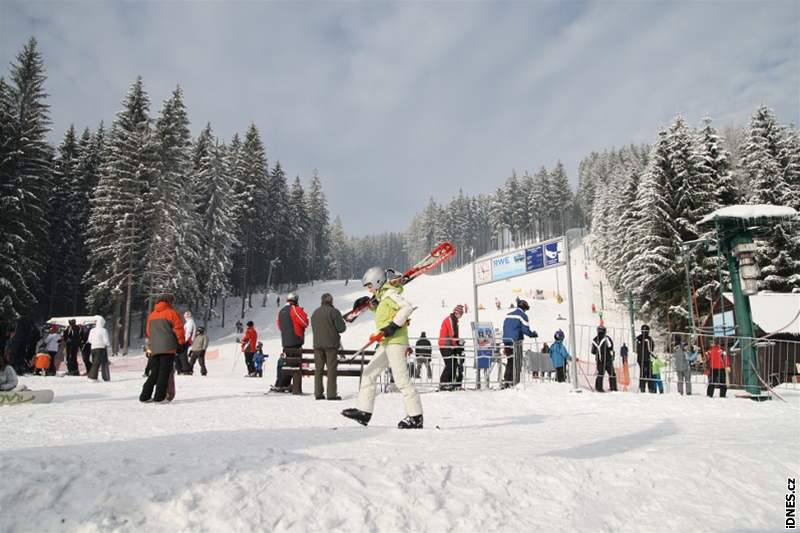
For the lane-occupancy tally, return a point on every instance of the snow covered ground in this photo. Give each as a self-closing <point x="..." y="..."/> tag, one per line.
<point x="225" y="457"/>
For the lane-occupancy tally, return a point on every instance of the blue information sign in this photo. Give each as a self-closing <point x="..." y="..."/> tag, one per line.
<point x="534" y="258"/>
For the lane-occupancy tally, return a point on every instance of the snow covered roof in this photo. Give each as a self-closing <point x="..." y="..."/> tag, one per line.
<point x="64" y="320"/>
<point x="747" y="212"/>
<point x="773" y="311"/>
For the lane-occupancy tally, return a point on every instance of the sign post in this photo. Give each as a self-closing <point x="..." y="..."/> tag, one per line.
<point x="547" y="254"/>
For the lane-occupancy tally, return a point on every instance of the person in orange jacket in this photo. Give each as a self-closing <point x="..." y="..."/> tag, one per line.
<point x="249" y="342"/>
<point x="164" y="333"/>
<point x="450" y="346"/>
<point x="718" y="362"/>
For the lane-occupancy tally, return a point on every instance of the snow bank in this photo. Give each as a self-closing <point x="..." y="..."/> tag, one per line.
<point x="226" y="457"/>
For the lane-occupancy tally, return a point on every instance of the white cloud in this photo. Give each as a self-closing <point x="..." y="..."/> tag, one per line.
<point x="407" y="100"/>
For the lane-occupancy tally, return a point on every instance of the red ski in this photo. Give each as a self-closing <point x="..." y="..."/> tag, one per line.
<point x="438" y="255"/>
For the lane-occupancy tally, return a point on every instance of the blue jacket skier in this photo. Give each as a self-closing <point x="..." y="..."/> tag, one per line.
<point x="559" y="355"/>
<point x="515" y="327"/>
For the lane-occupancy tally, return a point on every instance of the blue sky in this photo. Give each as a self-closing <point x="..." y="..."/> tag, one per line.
<point x="397" y="102"/>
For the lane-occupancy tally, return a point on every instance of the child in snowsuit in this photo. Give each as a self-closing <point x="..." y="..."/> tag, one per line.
<point x="198" y="351"/>
<point x="258" y="360"/>
<point x="559" y="355"/>
<point x="657" y="365"/>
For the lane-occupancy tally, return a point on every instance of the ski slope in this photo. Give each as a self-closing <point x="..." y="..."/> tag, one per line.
<point x="225" y="457"/>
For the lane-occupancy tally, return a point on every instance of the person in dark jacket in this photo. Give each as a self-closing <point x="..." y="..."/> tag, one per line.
<point x="19" y="345"/>
<point x="450" y="348"/>
<point x="72" y="343"/>
<point x="86" y="348"/>
<point x="603" y="351"/>
<point x="644" y="347"/>
<point x="164" y="333"/>
<point x="292" y="322"/>
<point x="327" y="325"/>
<point x="422" y="351"/>
<point x="515" y="327"/>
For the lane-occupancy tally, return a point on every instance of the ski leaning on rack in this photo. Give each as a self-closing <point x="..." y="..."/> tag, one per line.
<point x="438" y="255"/>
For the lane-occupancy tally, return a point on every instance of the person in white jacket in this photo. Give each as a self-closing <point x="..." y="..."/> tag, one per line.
<point x="99" y="340"/>
<point x="189" y="331"/>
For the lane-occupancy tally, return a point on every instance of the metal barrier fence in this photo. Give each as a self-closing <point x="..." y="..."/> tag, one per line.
<point x="778" y="364"/>
<point x="777" y="361"/>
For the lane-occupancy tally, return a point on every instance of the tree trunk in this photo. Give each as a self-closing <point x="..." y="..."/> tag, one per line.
<point x="115" y="320"/>
<point x="244" y="281"/>
<point x="143" y="321"/>
<point x="223" y="310"/>
<point x="127" y="325"/>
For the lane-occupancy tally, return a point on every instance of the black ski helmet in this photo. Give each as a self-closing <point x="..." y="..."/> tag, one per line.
<point x="522" y="304"/>
<point x="645" y="329"/>
<point x="601" y="330"/>
<point x="559" y="335"/>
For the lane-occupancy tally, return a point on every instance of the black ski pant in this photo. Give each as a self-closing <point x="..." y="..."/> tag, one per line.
<point x="248" y="361"/>
<point x="560" y="374"/>
<point x="605" y="364"/>
<point x="194" y="356"/>
<point x="100" y="364"/>
<point x="160" y="371"/>
<point x="86" y="355"/>
<point x="447" y="379"/>
<point x="717" y="379"/>
<point x="295" y="377"/>
<point x="72" y="360"/>
<point x="646" y="376"/>
<point x="511" y="375"/>
<point x="182" y="360"/>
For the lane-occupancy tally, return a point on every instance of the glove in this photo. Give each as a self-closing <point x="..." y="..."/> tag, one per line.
<point x="390" y="329"/>
<point x="460" y="342"/>
<point x="361" y="302"/>
<point x="376" y="337"/>
<point x="535" y="335"/>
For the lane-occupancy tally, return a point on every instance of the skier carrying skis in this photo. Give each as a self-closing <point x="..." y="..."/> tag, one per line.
<point x="603" y="351"/>
<point x="391" y="317"/>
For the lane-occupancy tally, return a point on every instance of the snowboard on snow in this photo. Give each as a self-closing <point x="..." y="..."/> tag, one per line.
<point x="17" y="397"/>
<point x="438" y="255"/>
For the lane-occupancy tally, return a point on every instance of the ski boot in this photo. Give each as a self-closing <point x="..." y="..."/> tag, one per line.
<point x="410" y="422"/>
<point x="362" y="417"/>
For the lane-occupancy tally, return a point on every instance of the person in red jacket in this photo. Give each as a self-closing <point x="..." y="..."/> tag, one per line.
<point x="164" y="333"/>
<point x="718" y="362"/>
<point x="249" y="342"/>
<point x="450" y="346"/>
<point x="292" y="322"/>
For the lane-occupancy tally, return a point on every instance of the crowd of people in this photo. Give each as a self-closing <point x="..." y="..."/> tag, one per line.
<point x="27" y="350"/>
<point x="175" y="346"/>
